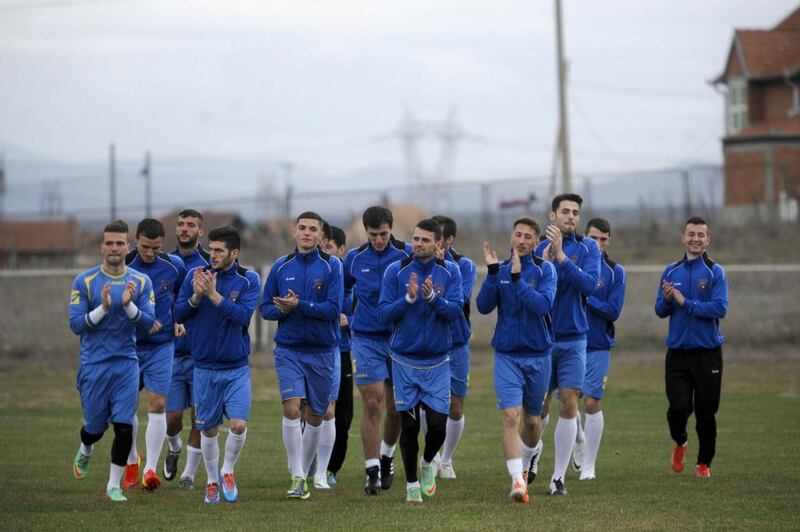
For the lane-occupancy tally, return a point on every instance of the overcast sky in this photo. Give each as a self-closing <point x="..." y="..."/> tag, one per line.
<point x="317" y="82"/>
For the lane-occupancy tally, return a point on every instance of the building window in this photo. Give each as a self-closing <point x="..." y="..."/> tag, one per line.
<point x="737" y="105"/>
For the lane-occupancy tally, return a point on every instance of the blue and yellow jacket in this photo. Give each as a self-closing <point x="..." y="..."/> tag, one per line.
<point x="199" y="257"/>
<point x="462" y="329"/>
<point x="605" y="306"/>
<point x="166" y="273"/>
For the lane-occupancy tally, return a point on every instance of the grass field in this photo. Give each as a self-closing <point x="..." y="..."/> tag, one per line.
<point x="754" y="483"/>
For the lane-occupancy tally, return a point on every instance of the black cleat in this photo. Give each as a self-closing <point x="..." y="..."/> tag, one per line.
<point x="171" y="464"/>
<point x="557" y="487"/>
<point x="387" y="472"/>
<point x="373" y="485"/>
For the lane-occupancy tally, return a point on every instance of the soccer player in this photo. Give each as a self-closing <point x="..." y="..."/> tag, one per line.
<point x="459" y="356"/>
<point x="363" y="273"/>
<point x="694" y="295"/>
<point x="107" y="306"/>
<point x="220" y="300"/>
<point x="604" y="308"/>
<point x="155" y="349"/>
<point x="303" y="293"/>
<point x="188" y="230"/>
<point x="577" y="262"/>
<point x="522" y="289"/>
<point x="421" y="300"/>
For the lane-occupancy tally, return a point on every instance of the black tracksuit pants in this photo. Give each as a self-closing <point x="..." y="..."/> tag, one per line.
<point x="344" y="414"/>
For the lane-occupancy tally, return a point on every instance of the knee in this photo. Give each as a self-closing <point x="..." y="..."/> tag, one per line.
<point x="291" y="410"/>
<point x="123" y="431"/>
<point x="511" y="418"/>
<point x="456" y="408"/>
<point x="568" y="406"/>
<point x="410" y="423"/>
<point x="157" y="404"/>
<point x="593" y="406"/>
<point x="238" y="426"/>
<point x="437" y="422"/>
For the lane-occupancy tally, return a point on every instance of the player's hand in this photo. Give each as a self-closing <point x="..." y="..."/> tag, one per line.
<point x="667" y="290"/>
<point x="439" y="253"/>
<point x="292" y="299"/>
<point x="211" y="283"/>
<point x="105" y="297"/>
<point x="553" y="234"/>
<point x="127" y="294"/>
<point x="427" y="287"/>
<point x="516" y="264"/>
<point x="678" y="296"/>
<point x="157" y="326"/>
<point x="198" y="283"/>
<point x="180" y="330"/>
<point x="547" y="254"/>
<point x="343" y="320"/>
<point x="413" y="286"/>
<point x="489" y="255"/>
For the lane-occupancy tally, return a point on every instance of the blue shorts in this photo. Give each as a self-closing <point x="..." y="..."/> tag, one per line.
<point x="221" y="392"/>
<point x="336" y="379"/>
<point x="180" y="387"/>
<point x="594" y="384"/>
<point x="569" y="364"/>
<point x="109" y="393"/>
<point x="521" y="381"/>
<point x="417" y="384"/>
<point x="459" y="371"/>
<point x="308" y="376"/>
<point x="155" y="366"/>
<point x="372" y="360"/>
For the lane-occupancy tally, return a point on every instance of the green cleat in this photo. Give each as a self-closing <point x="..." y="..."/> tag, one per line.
<point x="413" y="495"/>
<point x="80" y="467"/>
<point x="298" y="489"/>
<point x="115" y="495"/>
<point x="427" y="480"/>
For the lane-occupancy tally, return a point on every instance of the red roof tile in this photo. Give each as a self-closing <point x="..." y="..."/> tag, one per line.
<point x="59" y="236"/>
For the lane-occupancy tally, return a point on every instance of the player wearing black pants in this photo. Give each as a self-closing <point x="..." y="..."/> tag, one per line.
<point x="344" y="413"/>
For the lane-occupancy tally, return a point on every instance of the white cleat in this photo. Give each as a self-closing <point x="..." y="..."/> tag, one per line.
<point x="446" y="471"/>
<point x="321" y="483"/>
<point x="587" y="474"/>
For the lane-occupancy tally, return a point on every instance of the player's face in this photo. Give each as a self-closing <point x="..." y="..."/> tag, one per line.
<point x="696" y="238"/>
<point x="332" y="249"/>
<point x="424" y="243"/>
<point x="113" y="248"/>
<point x="149" y="248"/>
<point x="379" y="236"/>
<point x="188" y="231"/>
<point x="221" y="257"/>
<point x="566" y="216"/>
<point x="307" y="234"/>
<point x="602" y="239"/>
<point x="524" y="239"/>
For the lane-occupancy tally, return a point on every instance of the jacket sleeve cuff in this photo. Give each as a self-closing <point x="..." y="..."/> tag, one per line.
<point x="515" y="277"/>
<point x="493" y="268"/>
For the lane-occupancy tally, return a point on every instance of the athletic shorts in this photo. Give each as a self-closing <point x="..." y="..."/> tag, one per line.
<point x="336" y="378"/>
<point x="415" y="384"/>
<point x="372" y="361"/>
<point x="459" y="371"/>
<point x="109" y="393"/>
<point x="569" y="364"/>
<point x="521" y="381"/>
<point x="155" y="366"/>
<point x="180" y="387"/>
<point x="221" y="392"/>
<point x="306" y="376"/>
<point x="594" y="384"/>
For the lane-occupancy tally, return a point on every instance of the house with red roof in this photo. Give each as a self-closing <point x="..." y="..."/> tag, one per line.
<point x="38" y="244"/>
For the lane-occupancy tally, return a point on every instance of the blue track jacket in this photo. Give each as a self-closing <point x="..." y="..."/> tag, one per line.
<point x="462" y="329"/>
<point x="166" y="273"/>
<point x="605" y="306"/>
<point x="199" y="257"/>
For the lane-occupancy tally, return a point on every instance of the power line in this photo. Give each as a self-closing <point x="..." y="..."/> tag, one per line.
<point x="49" y="4"/>
<point x="641" y="91"/>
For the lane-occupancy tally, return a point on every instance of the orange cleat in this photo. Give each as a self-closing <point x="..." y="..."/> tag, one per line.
<point x="679" y="457"/>
<point x="519" y="491"/>
<point x="150" y="480"/>
<point x="131" y="480"/>
<point x="702" y="471"/>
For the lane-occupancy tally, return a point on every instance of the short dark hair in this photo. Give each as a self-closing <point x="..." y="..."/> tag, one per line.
<point x="338" y="236"/>
<point x="191" y="213"/>
<point x="530" y="222"/>
<point x="376" y="216"/>
<point x="429" y="224"/>
<point x="117" y="226"/>
<point x="566" y="197"/>
<point x="326" y="230"/>
<point x="695" y="220"/>
<point x="227" y="234"/>
<point x="601" y="224"/>
<point x="448" y="225"/>
<point x="310" y="215"/>
<point x="150" y="228"/>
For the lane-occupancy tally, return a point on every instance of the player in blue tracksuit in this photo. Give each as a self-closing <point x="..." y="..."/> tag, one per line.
<point x="522" y="289"/>
<point x="577" y="262"/>
<point x="220" y="300"/>
<point x="188" y="231"/>
<point x="603" y="309"/>
<point x="107" y="306"/>
<point x="694" y="295"/>
<point x="364" y="267"/>
<point x="155" y="348"/>
<point x="303" y="293"/>
<point x="421" y="301"/>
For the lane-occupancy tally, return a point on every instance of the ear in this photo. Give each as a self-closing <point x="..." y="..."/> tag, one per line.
<point x="552" y="216"/>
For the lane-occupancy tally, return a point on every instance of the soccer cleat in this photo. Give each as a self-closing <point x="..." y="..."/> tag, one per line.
<point x="212" y="493"/>
<point x="533" y="467"/>
<point x="587" y="474"/>
<point x="427" y="480"/>
<point x="702" y="471"/>
<point x="171" y="464"/>
<point x="557" y="487"/>
<point x="80" y="467"/>
<point x="230" y="492"/>
<point x="679" y="457"/>
<point x="387" y="472"/>
<point x="447" y="471"/>
<point x="298" y="489"/>
<point x="187" y="483"/>
<point x="115" y="495"/>
<point x="578" y="454"/>
<point x="373" y="485"/>
<point x="150" y="480"/>
<point x="413" y="495"/>
<point x="519" y="491"/>
<point x="436" y="463"/>
<point x="321" y="483"/>
<point x="331" y="479"/>
<point x="131" y="481"/>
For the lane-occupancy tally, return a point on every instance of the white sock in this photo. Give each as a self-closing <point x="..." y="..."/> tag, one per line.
<point x="514" y="467"/>
<point x="192" y="462"/>
<point x="452" y="438"/>
<point x="527" y="454"/>
<point x="293" y="442"/>
<point x="326" y="440"/>
<point x="372" y="462"/>
<point x="565" y="439"/>
<point x="115" y="476"/>
<point x="386" y="449"/>
<point x="154" y="438"/>
<point x="310" y="446"/>
<point x="580" y="437"/>
<point x="594" y="433"/>
<point x="210" y="450"/>
<point x="87" y="450"/>
<point x="423" y="422"/>
<point x="233" y="449"/>
<point x="133" y="456"/>
<point x="175" y="443"/>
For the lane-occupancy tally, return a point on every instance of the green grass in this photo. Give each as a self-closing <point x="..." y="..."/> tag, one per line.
<point x="755" y="473"/>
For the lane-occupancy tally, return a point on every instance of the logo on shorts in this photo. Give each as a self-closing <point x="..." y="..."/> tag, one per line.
<point x="703" y="284"/>
<point x="438" y="288"/>
<point x="164" y="286"/>
<point x="319" y="284"/>
<point x="234" y="294"/>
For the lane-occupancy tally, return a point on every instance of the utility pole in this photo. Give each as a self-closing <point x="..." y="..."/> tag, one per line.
<point x="687" y="194"/>
<point x="148" y="196"/>
<point x="112" y="173"/>
<point x="2" y="182"/>
<point x="563" y="130"/>
<point x="287" y="200"/>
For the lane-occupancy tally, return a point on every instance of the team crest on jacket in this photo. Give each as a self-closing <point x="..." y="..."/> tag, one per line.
<point x="234" y="294"/>
<point x="702" y="284"/>
<point x="319" y="284"/>
<point x="164" y="286"/>
<point x="438" y="288"/>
